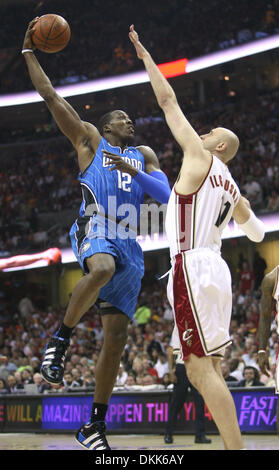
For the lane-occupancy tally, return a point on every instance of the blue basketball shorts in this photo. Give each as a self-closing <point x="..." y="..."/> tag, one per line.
<point x="123" y="288"/>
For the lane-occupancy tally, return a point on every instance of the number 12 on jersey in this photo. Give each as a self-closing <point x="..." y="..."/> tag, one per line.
<point x="124" y="181"/>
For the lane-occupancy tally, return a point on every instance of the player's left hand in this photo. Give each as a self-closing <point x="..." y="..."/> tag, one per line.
<point x="119" y="163"/>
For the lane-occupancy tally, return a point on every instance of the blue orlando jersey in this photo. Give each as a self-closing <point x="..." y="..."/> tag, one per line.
<point x="112" y="196"/>
<point x="106" y="192"/>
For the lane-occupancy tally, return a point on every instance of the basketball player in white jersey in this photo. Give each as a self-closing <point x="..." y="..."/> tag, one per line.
<point x="202" y="202"/>
<point x="270" y="294"/>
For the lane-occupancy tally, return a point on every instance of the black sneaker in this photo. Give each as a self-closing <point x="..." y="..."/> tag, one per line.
<point x="92" y="436"/>
<point x="52" y="368"/>
<point x="168" y="438"/>
<point x="202" y="440"/>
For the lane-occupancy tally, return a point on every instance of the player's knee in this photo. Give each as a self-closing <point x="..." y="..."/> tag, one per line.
<point x="193" y="377"/>
<point x="116" y="340"/>
<point x="101" y="273"/>
<point x="196" y="375"/>
<point x="199" y="375"/>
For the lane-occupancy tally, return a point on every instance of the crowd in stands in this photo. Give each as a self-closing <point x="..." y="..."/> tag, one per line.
<point x="171" y="30"/>
<point x="43" y="178"/>
<point x="144" y="364"/>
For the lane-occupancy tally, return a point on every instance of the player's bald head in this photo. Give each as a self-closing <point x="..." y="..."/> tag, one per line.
<point x="222" y="142"/>
<point x="231" y="141"/>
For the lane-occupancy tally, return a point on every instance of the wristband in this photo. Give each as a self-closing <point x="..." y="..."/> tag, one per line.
<point x="254" y="228"/>
<point x="260" y="351"/>
<point x="26" y="50"/>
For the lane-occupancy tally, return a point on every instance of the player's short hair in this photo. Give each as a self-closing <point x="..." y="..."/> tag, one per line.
<point x="105" y="119"/>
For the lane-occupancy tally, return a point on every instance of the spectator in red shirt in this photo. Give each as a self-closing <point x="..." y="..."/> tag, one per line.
<point x="246" y="278"/>
<point x="149" y="369"/>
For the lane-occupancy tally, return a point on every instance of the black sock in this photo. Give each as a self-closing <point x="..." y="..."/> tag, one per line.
<point x="98" y="412"/>
<point x="64" y="332"/>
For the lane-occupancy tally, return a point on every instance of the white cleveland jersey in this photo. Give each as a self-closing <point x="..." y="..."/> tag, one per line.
<point x="198" y="220"/>
<point x="275" y="295"/>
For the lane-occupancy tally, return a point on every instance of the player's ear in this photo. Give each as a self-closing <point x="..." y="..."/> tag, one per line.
<point x="222" y="147"/>
<point x="106" y="129"/>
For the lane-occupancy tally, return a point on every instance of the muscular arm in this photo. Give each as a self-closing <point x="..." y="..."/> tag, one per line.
<point x="181" y="129"/>
<point x="150" y="159"/>
<point x="267" y="287"/>
<point x="84" y="136"/>
<point x="263" y="332"/>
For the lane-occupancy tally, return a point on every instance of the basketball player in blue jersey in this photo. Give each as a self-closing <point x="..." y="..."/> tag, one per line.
<point x="112" y="173"/>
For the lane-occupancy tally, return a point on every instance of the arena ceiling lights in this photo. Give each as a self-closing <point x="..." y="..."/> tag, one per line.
<point x="170" y="69"/>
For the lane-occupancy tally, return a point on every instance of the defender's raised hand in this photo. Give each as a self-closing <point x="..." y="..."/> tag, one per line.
<point x="134" y="37"/>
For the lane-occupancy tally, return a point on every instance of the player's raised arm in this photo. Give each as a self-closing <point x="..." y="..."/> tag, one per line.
<point x="181" y="129"/>
<point x="247" y="221"/>
<point x="65" y="116"/>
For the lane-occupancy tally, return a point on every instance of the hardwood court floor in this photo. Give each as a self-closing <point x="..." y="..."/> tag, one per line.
<point x="30" y="441"/>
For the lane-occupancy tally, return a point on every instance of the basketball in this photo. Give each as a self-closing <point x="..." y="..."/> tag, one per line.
<point x="51" y="33"/>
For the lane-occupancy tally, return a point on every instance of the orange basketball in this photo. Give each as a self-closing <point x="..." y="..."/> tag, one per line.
<point x="51" y="33"/>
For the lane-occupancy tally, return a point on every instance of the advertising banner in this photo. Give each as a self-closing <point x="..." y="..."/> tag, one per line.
<point x="131" y="412"/>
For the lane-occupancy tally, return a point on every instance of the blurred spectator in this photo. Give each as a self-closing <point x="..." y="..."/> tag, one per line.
<point x="251" y="378"/>
<point x="26" y="377"/>
<point x="161" y="365"/>
<point x="150" y="383"/>
<point x="259" y="267"/>
<point x="25" y="307"/>
<point x="225" y="369"/>
<point x="235" y="371"/>
<point x="6" y="368"/>
<point x="121" y="376"/>
<point x="142" y="315"/>
<point x="154" y="344"/>
<point x="68" y="380"/>
<point x="148" y="369"/>
<point x="12" y="385"/>
<point x="77" y="376"/>
<point x="3" y="387"/>
<point x="270" y="380"/>
<point x="250" y="354"/>
<point x="42" y="386"/>
<point x="166" y="380"/>
<point x="18" y="379"/>
<point x="130" y="381"/>
<point x="273" y="201"/>
<point x="88" y="380"/>
<point x="246" y="278"/>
